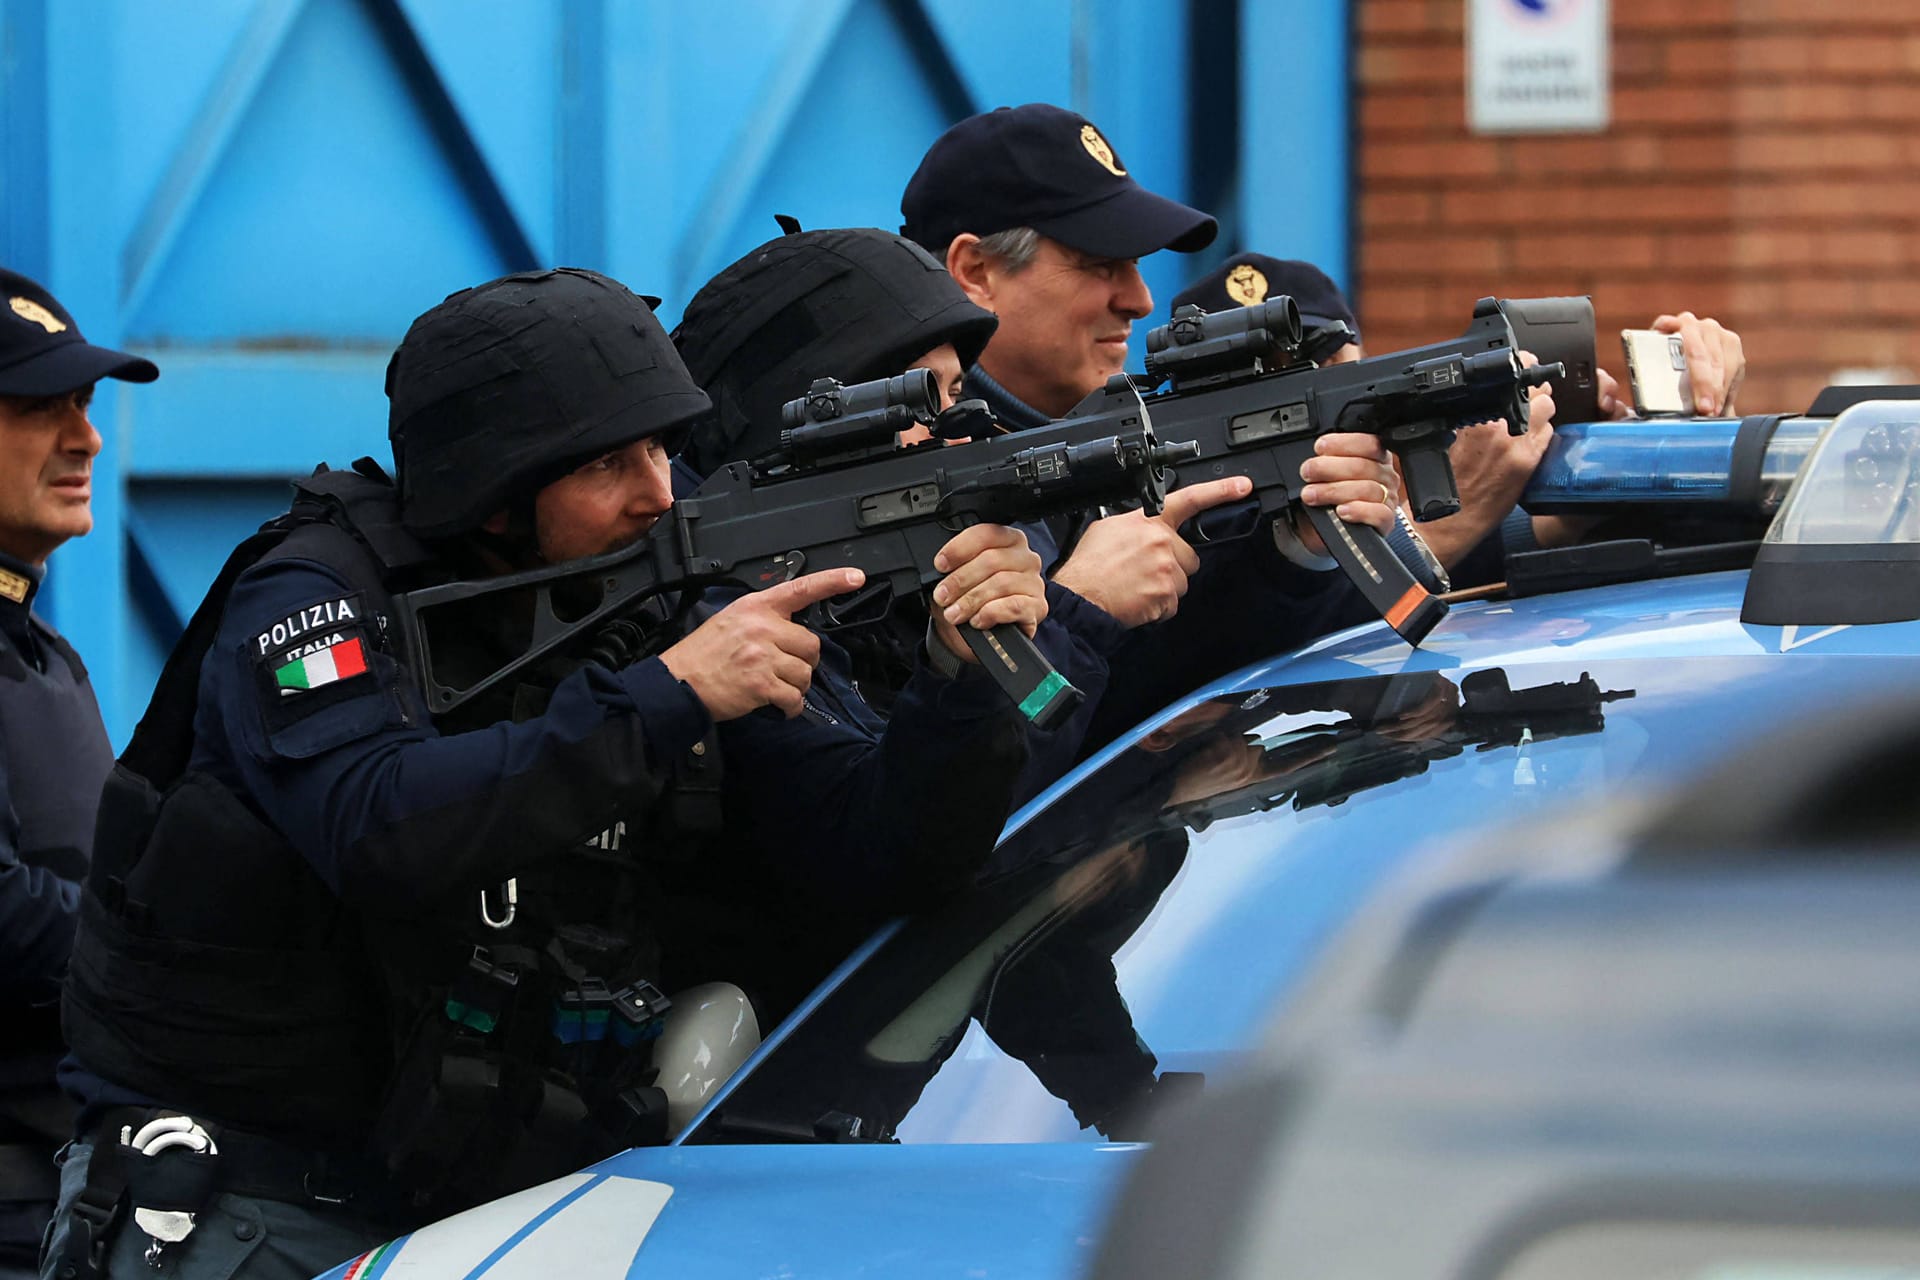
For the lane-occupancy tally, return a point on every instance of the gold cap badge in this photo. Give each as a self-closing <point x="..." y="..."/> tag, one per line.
<point x="28" y="309"/>
<point x="1245" y="285"/>
<point x="1097" y="148"/>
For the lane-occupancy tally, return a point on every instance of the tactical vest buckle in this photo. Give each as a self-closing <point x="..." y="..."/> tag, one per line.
<point x="640" y="1008"/>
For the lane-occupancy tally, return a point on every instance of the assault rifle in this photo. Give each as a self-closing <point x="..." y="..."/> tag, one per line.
<point x="1240" y="388"/>
<point x="840" y="492"/>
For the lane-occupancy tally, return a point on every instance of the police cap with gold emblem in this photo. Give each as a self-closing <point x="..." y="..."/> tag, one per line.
<point x="1248" y="278"/>
<point x="504" y="388"/>
<point x="42" y="352"/>
<point x="1047" y="168"/>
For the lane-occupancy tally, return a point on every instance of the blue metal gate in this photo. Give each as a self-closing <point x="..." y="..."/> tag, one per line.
<point x="260" y="194"/>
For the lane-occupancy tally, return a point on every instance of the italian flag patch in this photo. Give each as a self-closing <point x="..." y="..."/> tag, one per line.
<point x="336" y="661"/>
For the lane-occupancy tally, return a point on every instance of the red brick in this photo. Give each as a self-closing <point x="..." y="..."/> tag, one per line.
<point x="1432" y="258"/>
<point x="1405" y="66"/>
<point x="1564" y="154"/>
<point x="1615" y="251"/>
<point x="1853" y="248"/>
<point x="1392" y="17"/>
<point x="1897" y="14"/>
<point x="1769" y="54"/>
<point x="1857" y="56"/>
<point x="1813" y="151"/>
<point x="1686" y="157"/>
<point x="1685" y="245"/>
<point x="1664" y="15"/>
<point x="1898" y="297"/>
<point x="1638" y="58"/>
<point x="1672" y="105"/>
<point x="1452" y="161"/>
<point x="1694" y="58"/>
<point x="1398" y="114"/>
<point x="1862" y="200"/>
<point x="1390" y="305"/>
<point x="1397" y="209"/>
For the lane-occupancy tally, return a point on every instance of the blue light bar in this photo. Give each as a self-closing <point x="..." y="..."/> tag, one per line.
<point x="1744" y="462"/>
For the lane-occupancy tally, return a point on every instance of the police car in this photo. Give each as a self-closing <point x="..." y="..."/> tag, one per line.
<point x="965" y="1095"/>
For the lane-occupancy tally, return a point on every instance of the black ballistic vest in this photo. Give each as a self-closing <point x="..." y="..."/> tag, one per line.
<point x="216" y="972"/>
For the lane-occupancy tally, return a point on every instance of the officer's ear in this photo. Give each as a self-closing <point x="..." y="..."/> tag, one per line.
<point x="972" y="269"/>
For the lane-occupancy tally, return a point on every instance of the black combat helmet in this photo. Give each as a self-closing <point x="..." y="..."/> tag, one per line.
<point x="851" y="303"/>
<point x="506" y="387"/>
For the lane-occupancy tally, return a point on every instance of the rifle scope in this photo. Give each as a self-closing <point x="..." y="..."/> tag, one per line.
<point x="1196" y="343"/>
<point x="833" y="420"/>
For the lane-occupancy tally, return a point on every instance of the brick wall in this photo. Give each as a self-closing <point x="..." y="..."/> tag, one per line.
<point x="1762" y="167"/>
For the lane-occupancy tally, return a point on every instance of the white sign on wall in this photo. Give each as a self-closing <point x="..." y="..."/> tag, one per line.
<point x="1536" y="66"/>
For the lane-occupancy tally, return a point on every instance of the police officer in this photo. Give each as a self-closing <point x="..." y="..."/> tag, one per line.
<point x="858" y="303"/>
<point x="1035" y="215"/>
<point x="1249" y="278"/>
<point x="342" y="968"/>
<point x="53" y="748"/>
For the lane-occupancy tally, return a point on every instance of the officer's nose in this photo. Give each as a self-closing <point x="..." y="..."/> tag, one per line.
<point x="77" y="432"/>
<point x="653" y="494"/>
<point x="1131" y="297"/>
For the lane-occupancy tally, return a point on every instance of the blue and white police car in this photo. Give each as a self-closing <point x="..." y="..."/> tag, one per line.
<point x="964" y="1096"/>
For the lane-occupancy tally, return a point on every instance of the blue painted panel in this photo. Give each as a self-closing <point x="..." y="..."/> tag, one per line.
<point x="23" y="136"/>
<point x="334" y="214"/>
<point x="200" y="523"/>
<point x="172" y="74"/>
<point x="1010" y="51"/>
<point x="1294" y="166"/>
<point x="1136" y="52"/>
<point x="504" y="76"/>
<point x="830" y="167"/>
<point x="88" y="593"/>
<point x="258" y="414"/>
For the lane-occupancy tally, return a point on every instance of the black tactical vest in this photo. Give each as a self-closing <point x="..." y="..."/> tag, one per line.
<point x="474" y="1054"/>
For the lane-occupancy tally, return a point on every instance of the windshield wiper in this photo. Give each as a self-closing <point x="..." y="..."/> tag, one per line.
<point x="1596" y="564"/>
<point x="834" y="1126"/>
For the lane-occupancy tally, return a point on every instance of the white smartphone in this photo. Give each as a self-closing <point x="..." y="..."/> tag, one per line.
<point x="1657" y="372"/>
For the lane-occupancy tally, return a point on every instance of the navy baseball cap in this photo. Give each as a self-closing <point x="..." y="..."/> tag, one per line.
<point x="506" y="387"/>
<point x="1047" y="168"/>
<point x="42" y="352"/>
<point x="1249" y="278"/>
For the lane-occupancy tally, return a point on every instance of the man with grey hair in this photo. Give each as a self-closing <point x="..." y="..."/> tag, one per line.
<point x="1037" y="218"/>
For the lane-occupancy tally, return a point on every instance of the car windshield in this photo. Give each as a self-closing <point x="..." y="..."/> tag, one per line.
<point x="1129" y="941"/>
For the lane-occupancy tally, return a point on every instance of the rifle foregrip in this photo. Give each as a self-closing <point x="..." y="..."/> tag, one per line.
<point x="1043" y="695"/>
<point x="1388" y="585"/>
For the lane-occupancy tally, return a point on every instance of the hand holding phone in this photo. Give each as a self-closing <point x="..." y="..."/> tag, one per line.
<point x="1657" y="372"/>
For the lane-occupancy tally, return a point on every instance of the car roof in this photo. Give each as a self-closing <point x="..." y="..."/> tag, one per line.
<point x="1695" y="678"/>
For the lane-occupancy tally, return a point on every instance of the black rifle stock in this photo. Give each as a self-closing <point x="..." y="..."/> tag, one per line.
<point x="1241" y="391"/>
<point x="827" y="501"/>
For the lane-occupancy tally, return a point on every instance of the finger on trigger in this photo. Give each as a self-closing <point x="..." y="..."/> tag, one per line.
<point x="1185" y="503"/>
<point x="789" y="598"/>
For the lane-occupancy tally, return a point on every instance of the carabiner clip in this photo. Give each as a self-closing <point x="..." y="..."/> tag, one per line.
<point x="511" y="892"/>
